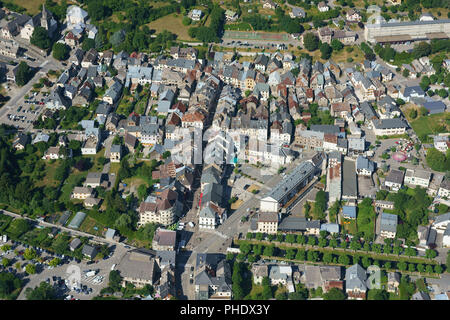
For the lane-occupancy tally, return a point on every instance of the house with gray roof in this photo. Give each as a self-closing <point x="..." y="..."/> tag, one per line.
<point x="355" y="282"/>
<point x="364" y="166"/>
<point x="388" y="225"/>
<point x="89" y="251"/>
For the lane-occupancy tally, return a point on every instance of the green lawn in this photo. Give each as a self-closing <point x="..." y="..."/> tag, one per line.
<point x="349" y="226"/>
<point x="89" y="224"/>
<point x="431" y="124"/>
<point x="75" y="178"/>
<point x="95" y="166"/>
<point x="365" y="220"/>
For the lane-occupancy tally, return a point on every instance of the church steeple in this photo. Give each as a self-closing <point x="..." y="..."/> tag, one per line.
<point x="44" y="19"/>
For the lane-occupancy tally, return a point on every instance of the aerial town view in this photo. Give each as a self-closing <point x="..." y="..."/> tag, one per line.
<point x="224" y="150"/>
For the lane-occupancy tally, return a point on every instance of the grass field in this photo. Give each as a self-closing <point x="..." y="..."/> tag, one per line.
<point x="365" y="220"/>
<point x="89" y="224"/>
<point x="431" y="124"/>
<point x="172" y="24"/>
<point x="49" y="180"/>
<point x="357" y="55"/>
<point x="32" y="6"/>
<point x="75" y="178"/>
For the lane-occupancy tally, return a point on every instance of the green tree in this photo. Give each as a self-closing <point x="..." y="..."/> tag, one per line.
<point x="30" y="268"/>
<point x="43" y="292"/>
<point x="30" y="254"/>
<point x="40" y="38"/>
<point x="377" y="294"/>
<point x="23" y="74"/>
<point x="334" y="294"/>
<point x="336" y="45"/>
<point x="325" y="50"/>
<point x="310" y="42"/>
<point x="60" y="51"/>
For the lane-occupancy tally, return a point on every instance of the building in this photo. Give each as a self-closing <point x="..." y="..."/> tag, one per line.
<point x="82" y="193"/>
<point x="441" y="222"/>
<point x="406" y="31"/>
<point x="393" y="282"/>
<point x="418" y="178"/>
<point x="74" y="244"/>
<point x="89" y="251"/>
<point x="163" y="208"/>
<point x="325" y="277"/>
<point x="196" y="14"/>
<point x="164" y="239"/>
<point x="349" y="212"/>
<point x="353" y="15"/>
<point x="43" y="19"/>
<point x="115" y="153"/>
<point x="138" y="267"/>
<point x="323" y="7"/>
<point x="444" y="189"/>
<point x="9" y="48"/>
<point x="364" y="166"/>
<point x="388" y="225"/>
<point x="212" y="280"/>
<point x="281" y="275"/>
<point x="293" y="224"/>
<point x="268" y="222"/>
<point x="394" y="180"/>
<point x="355" y="282"/>
<point x="288" y="187"/>
<point x="389" y="127"/>
<point x="75" y="15"/>
<point x="259" y="271"/>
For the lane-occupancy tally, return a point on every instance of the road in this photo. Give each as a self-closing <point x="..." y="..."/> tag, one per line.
<point x="217" y="241"/>
<point x="70" y="231"/>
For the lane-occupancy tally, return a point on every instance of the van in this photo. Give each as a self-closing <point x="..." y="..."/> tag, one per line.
<point x="113" y="266"/>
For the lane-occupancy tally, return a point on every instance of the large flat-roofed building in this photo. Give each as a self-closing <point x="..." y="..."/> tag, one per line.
<point x="138" y="267"/>
<point x="288" y="187"/>
<point x="399" y="32"/>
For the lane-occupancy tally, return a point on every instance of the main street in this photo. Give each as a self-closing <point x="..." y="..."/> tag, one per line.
<point x="217" y="241"/>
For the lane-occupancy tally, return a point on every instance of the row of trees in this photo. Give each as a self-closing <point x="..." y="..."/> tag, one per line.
<point x="390" y="247"/>
<point x="328" y="257"/>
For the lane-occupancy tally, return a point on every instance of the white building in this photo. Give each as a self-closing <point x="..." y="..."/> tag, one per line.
<point x="417" y="178"/>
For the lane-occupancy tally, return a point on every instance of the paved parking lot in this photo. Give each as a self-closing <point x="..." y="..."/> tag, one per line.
<point x="57" y="275"/>
<point x="366" y="187"/>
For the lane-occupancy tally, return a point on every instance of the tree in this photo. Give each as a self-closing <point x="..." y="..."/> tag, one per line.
<point x="281" y="296"/>
<point x="334" y="294"/>
<point x="344" y="259"/>
<point x="23" y="74"/>
<point x="438" y="269"/>
<point x="377" y="294"/>
<point x="40" y="38"/>
<point x="115" y="280"/>
<point x="422" y="49"/>
<point x="6" y="262"/>
<point x="30" y="268"/>
<point x="55" y="262"/>
<point x="437" y="160"/>
<point x="320" y="205"/>
<point x="60" y="51"/>
<point x="405" y="73"/>
<point x="413" y="113"/>
<point x="30" y="254"/>
<point x="301" y="255"/>
<point x="336" y="45"/>
<point x="88" y="44"/>
<point x="325" y="50"/>
<point x="43" y="292"/>
<point x="430" y="253"/>
<point x="311" y="42"/>
<point x="268" y="251"/>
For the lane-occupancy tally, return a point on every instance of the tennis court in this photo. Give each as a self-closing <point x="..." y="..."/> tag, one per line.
<point x="263" y="36"/>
